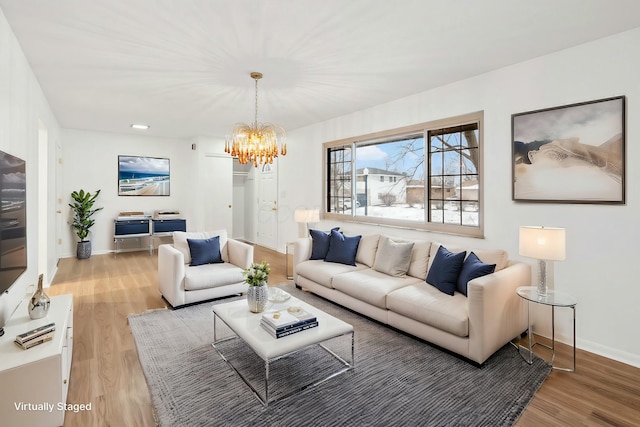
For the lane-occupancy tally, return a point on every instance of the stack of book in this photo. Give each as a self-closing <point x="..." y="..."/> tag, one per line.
<point x="35" y="336"/>
<point x="286" y="322"/>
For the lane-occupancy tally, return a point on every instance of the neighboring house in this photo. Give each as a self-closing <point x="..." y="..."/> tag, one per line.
<point x="468" y="190"/>
<point x="383" y="187"/>
<point x="438" y="193"/>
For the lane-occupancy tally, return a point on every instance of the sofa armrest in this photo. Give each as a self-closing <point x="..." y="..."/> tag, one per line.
<point x="171" y="274"/>
<point x="496" y="313"/>
<point x="301" y="252"/>
<point x="240" y="253"/>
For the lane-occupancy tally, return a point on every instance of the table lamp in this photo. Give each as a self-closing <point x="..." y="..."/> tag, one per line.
<point x="306" y="216"/>
<point x="544" y="244"/>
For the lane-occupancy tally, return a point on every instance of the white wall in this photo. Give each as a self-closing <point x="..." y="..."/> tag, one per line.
<point x="91" y="163"/>
<point x="601" y="269"/>
<point x="22" y="107"/>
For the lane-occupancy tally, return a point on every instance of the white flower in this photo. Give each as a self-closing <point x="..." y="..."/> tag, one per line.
<point x="257" y="274"/>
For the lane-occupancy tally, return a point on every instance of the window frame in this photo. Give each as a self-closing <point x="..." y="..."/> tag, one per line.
<point x="390" y="135"/>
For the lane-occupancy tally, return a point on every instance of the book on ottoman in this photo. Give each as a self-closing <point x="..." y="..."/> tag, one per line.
<point x="287" y="322"/>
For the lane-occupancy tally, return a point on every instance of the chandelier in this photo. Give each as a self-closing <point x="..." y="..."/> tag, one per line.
<point x="256" y="143"/>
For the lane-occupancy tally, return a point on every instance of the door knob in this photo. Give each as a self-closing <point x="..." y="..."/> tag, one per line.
<point x="229" y="206"/>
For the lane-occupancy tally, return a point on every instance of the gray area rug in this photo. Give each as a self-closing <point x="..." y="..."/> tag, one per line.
<point x="397" y="381"/>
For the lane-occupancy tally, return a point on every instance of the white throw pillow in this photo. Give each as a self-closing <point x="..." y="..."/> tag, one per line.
<point x="367" y="248"/>
<point x="393" y="258"/>
<point x="181" y="244"/>
<point x="419" y="259"/>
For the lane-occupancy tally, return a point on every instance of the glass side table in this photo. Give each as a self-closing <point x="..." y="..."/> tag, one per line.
<point x="553" y="299"/>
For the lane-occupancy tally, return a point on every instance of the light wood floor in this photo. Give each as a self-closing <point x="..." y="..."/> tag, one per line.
<point x="107" y="373"/>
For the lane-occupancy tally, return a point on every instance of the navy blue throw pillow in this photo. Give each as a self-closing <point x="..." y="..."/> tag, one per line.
<point x="320" y="243"/>
<point x="445" y="270"/>
<point x="342" y="249"/>
<point x="472" y="269"/>
<point x="205" y="251"/>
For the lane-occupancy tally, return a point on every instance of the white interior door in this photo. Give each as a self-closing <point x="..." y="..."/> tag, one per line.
<point x="268" y="207"/>
<point x="217" y="200"/>
<point x="43" y="195"/>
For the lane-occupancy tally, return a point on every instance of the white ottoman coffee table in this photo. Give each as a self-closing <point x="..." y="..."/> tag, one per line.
<point x="246" y="326"/>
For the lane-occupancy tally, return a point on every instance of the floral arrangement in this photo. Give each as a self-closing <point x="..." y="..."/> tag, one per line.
<point x="257" y="274"/>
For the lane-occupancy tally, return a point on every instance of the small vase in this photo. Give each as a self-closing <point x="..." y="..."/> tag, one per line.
<point x="39" y="302"/>
<point x="257" y="298"/>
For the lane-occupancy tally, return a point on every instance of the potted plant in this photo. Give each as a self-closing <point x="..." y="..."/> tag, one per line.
<point x="82" y="212"/>
<point x="256" y="276"/>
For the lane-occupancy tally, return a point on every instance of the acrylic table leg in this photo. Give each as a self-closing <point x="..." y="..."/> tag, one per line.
<point x="574" y="338"/>
<point x="215" y="316"/>
<point x="529" y="333"/>
<point x="553" y="334"/>
<point x="266" y="383"/>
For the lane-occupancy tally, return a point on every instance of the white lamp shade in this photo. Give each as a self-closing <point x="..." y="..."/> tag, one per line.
<point x="547" y="243"/>
<point x="307" y="215"/>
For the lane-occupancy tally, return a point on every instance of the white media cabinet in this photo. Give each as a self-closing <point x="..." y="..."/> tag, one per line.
<point x="39" y="376"/>
<point x="139" y="228"/>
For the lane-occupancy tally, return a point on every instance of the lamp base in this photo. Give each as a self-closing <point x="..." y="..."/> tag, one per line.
<point x="542" y="289"/>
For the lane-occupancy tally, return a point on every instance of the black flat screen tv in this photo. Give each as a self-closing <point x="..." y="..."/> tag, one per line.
<point x="13" y="220"/>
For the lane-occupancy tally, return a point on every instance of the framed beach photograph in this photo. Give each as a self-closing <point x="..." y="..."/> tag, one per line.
<point x="570" y="154"/>
<point x="143" y="176"/>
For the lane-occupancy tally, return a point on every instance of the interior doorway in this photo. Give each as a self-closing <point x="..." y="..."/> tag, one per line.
<point x="267" y="230"/>
<point x="43" y="192"/>
<point x="217" y="205"/>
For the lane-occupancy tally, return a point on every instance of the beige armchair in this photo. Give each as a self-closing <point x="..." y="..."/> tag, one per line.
<point x="181" y="283"/>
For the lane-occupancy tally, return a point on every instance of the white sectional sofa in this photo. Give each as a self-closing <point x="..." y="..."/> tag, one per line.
<point x="473" y="326"/>
<point x="181" y="283"/>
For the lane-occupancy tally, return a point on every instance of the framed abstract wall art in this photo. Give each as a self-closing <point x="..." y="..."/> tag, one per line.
<point x="143" y="176"/>
<point x="570" y="154"/>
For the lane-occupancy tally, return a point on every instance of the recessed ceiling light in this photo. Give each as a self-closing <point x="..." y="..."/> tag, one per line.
<point x="141" y="127"/>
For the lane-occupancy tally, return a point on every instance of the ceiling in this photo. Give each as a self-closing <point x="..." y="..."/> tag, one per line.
<point x="183" y="66"/>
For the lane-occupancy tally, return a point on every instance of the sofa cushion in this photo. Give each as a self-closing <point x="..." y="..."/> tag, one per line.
<point x="367" y="249"/>
<point x="393" y="258"/>
<point x="322" y="272"/>
<point x="445" y="270"/>
<point x="471" y="269"/>
<point x="211" y="275"/>
<point x="426" y="304"/>
<point x="342" y="249"/>
<point x="205" y="251"/>
<point x="320" y="243"/>
<point x="180" y="242"/>
<point x="370" y="286"/>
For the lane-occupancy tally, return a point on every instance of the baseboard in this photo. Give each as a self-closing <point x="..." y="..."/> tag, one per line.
<point x="599" y="349"/>
<point x="609" y="353"/>
<point x="52" y="274"/>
